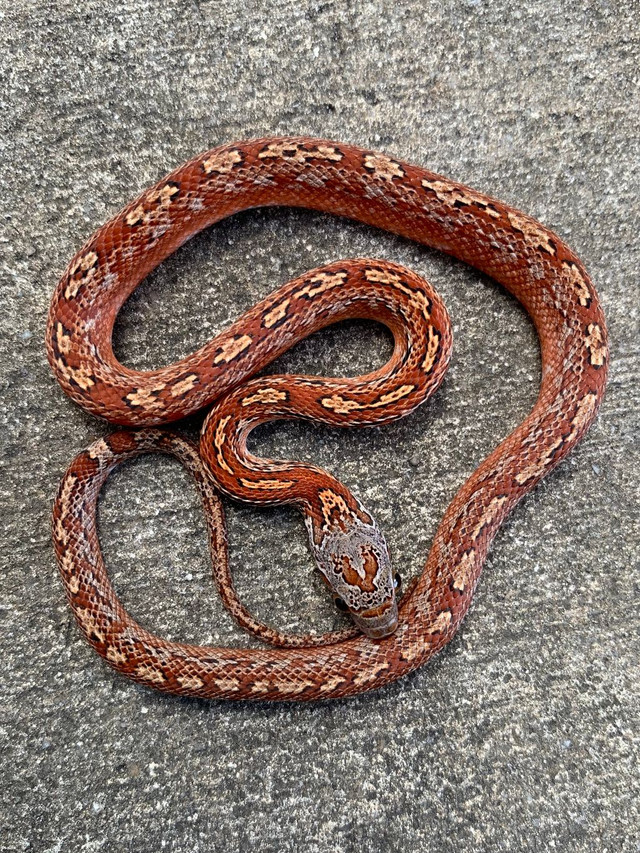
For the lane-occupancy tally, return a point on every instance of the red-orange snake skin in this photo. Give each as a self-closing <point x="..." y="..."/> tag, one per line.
<point x="530" y="261"/>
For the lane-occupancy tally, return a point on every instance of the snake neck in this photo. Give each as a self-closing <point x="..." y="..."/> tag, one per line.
<point x="346" y="543"/>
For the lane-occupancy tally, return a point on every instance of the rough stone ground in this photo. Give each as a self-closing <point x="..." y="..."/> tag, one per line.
<point x="523" y="734"/>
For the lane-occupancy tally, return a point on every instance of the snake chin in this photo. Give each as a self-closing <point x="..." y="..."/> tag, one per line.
<point x="353" y="557"/>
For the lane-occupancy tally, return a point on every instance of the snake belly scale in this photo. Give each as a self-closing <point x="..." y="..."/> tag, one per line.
<point x="530" y="261"/>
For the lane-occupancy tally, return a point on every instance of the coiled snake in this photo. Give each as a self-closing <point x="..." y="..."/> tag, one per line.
<point x="521" y="254"/>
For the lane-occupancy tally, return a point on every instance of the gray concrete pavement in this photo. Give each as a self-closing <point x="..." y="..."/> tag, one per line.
<point x="523" y="735"/>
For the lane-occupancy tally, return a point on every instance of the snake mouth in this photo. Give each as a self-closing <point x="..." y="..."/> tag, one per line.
<point x="379" y="622"/>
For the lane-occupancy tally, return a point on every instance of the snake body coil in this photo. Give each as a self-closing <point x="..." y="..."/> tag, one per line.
<point x="526" y="258"/>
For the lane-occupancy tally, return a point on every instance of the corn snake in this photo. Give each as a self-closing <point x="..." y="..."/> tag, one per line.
<point x="521" y="254"/>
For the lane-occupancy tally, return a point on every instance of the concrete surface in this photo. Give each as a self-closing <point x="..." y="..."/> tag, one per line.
<point x="523" y="734"/>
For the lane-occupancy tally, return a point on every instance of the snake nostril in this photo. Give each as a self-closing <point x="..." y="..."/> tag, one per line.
<point x="340" y="604"/>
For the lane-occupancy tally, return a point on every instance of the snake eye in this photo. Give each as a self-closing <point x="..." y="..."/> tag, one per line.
<point x="397" y="582"/>
<point x="340" y="605"/>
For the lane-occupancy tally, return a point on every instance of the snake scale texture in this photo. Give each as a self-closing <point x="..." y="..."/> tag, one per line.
<point x="388" y="640"/>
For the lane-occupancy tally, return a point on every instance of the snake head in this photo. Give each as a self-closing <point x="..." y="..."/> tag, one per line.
<point x="353" y="557"/>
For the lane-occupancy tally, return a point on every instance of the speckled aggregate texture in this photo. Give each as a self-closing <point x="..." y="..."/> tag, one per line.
<point x="523" y="734"/>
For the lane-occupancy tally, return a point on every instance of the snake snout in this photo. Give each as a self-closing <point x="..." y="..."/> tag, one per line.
<point x="379" y="622"/>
